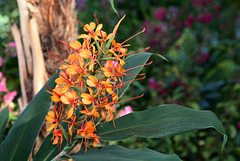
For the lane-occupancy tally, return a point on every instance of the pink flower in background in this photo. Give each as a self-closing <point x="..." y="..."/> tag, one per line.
<point x="160" y="14"/>
<point x="163" y="91"/>
<point x="1" y="75"/>
<point x="203" y="58"/>
<point x="207" y="17"/>
<point x="177" y="84"/>
<point x="199" y="18"/>
<point x="217" y="7"/>
<point x="11" y="45"/>
<point x="179" y="33"/>
<point x="127" y="110"/>
<point x="202" y="3"/>
<point x="153" y="83"/>
<point x="153" y="42"/>
<point x="114" y="107"/>
<point x="147" y="25"/>
<point x="238" y="126"/>
<point x="8" y="98"/>
<point x="0" y="61"/>
<point x="158" y="28"/>
<point x="3" y="86"/>
<point x="115" y="63"/>
<point x="189" y="21"/>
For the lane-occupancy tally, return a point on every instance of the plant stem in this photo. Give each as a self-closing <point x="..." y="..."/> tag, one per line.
<point x="63" y="152"/>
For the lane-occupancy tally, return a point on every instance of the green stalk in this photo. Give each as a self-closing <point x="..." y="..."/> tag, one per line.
<point x="64" y="133"/>
<point x="63" y="152"/>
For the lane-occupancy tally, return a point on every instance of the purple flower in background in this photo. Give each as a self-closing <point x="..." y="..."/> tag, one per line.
<point x="153" y="83"/>
<point x="160" y="14"/>
<point x="121" y="13"/>
<point x="217" y="7"/>
<point x="81" y="4"/>
<point x="3" y="86"/>
<point x="189" y="21"/>
<point x="153" y="42"/>
<point x="207" y="17"/>
<point x="203" y="58"/>
<point x="0" y="61"/>
<point x="147" y="26"/>
<point x="174" y="11"/>
<point x="127" y="110"/>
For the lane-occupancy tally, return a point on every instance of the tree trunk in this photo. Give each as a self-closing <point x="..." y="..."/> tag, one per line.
<point x="41" y="21"/>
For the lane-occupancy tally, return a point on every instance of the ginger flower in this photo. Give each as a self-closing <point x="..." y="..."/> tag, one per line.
<point x="88" y="84"/>
<point x="57" y="136"/>
<point x="92" y="34"/>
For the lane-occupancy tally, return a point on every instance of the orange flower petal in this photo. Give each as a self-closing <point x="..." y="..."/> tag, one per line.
<point x="52" y="126"/>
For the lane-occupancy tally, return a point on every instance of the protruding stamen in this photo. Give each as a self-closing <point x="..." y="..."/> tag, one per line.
<point x="84" y="25"/>
<point x="98" y="24"/>
<point x="57" y="57"/>
<point x="54" y="61"/>
<point x="51" y="90"/>
<point x="63" y="77"/>
<point x="133" y="36"/>
<point x="138" y="66"/>
<point x="67" y="45"/>
<point x="135" y="51"/>
<point x="129" y="99"/>
<point x="134" y="80"/>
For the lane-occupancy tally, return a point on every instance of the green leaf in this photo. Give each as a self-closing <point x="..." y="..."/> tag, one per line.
<point x="133" y="61"/>
<point x="114" y="9"/>
<point x="119" y="153"/>
<point x="4" y="116"/>
<point x="21" y="137"/>
<point x="161" y="121"/>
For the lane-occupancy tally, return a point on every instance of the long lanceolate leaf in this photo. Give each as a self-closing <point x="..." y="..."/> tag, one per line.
<point x="161" y="121"/>
<point x="119" y="153"/>
<point x="4" y="116"/>
<point x="20" y="139"/>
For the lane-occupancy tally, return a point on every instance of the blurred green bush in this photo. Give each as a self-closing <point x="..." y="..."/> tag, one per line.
<point x="201" y="40"/>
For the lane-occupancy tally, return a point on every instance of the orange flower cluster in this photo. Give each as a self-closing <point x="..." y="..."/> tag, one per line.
<point x="88" y="84"/>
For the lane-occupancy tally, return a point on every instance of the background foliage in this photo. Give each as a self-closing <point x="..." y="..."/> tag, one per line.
<point x="200" y="38"/>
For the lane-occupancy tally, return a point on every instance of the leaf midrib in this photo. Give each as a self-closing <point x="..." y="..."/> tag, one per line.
<point x="143" y="125"/>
